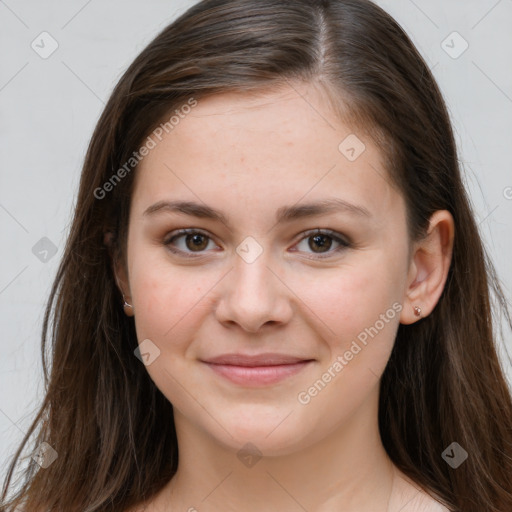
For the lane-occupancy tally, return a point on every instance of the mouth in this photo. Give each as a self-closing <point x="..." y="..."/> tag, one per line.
<point x="257" y="370"/>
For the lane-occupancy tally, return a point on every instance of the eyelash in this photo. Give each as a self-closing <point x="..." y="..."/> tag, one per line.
<point x="344" y="244"/>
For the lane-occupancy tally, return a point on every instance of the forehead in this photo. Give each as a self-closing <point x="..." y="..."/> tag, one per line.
<point x="277" y="146"/>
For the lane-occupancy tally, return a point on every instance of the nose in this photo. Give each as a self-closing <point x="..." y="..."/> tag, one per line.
<point x="253" y="294"/>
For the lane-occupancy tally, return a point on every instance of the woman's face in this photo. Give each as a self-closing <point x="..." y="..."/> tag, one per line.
<point x="318" y="311"/>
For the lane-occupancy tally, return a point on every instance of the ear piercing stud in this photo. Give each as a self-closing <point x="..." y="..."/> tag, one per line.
<point x="128" y="308"/>
<point x="417" y="311"/>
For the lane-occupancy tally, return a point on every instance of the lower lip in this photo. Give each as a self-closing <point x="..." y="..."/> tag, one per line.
<point x="257" y="375"/>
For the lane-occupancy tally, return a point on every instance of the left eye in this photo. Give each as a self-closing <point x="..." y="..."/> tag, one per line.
<point x="320" y="242"/>
<point x="322" y="239"/>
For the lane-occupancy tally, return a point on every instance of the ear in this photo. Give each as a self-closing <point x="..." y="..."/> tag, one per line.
<point x="428" y="270"/>
<point x="120" y="273"/>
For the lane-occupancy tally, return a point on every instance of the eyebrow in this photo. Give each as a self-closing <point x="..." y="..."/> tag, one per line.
<point x="283" y="214"/>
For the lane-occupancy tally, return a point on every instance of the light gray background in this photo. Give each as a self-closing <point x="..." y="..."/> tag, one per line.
<point x="49" y="107"/>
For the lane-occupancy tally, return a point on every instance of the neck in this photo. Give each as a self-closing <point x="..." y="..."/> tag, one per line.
<point x="347" y="471"/>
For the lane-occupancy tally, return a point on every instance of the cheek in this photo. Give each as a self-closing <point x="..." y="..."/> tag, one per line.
<point x="169" y="303"/>
<point x="349" y="300"/>
<point x="362" y="306"/>
<point x="165" y="297"/>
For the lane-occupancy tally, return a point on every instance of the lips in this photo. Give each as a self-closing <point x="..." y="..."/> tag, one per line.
<point x="256" y="370"/>
<point x="255" y="360"/>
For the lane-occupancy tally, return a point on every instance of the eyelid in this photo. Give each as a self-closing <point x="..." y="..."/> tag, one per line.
<point x="186" y="231"/>
<point x="342" y="240"/>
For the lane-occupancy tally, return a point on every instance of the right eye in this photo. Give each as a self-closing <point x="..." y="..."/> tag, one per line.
<point x="191" y="240"/>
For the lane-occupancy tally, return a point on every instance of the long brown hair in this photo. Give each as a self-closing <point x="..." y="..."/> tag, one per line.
<point x="112" y="429"/>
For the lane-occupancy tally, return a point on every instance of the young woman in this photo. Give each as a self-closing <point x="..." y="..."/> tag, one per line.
<point x="274" y="295"/>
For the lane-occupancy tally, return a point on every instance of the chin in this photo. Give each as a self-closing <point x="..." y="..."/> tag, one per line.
<point x="273" y="433"/>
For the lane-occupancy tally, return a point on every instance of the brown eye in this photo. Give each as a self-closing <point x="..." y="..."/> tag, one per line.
<point x="196" y="242"/>
<point x="188" y="241"/>
<point x="324" y="242"/>
<point x="320" y="242"/>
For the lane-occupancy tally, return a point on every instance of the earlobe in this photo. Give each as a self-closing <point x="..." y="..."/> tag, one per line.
<point x="121" y="279"/>
<point x="429" y="268"/>
<point x="122" y="284"/>
<point x="128" y="308"/>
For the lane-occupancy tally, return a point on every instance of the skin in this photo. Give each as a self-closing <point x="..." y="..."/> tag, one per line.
<point x="249" y="155"/>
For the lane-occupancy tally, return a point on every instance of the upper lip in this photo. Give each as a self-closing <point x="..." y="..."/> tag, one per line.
<point x="255" y="360"/>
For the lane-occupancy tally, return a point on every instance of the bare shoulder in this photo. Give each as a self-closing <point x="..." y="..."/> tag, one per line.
<point x="407" y="496"/>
